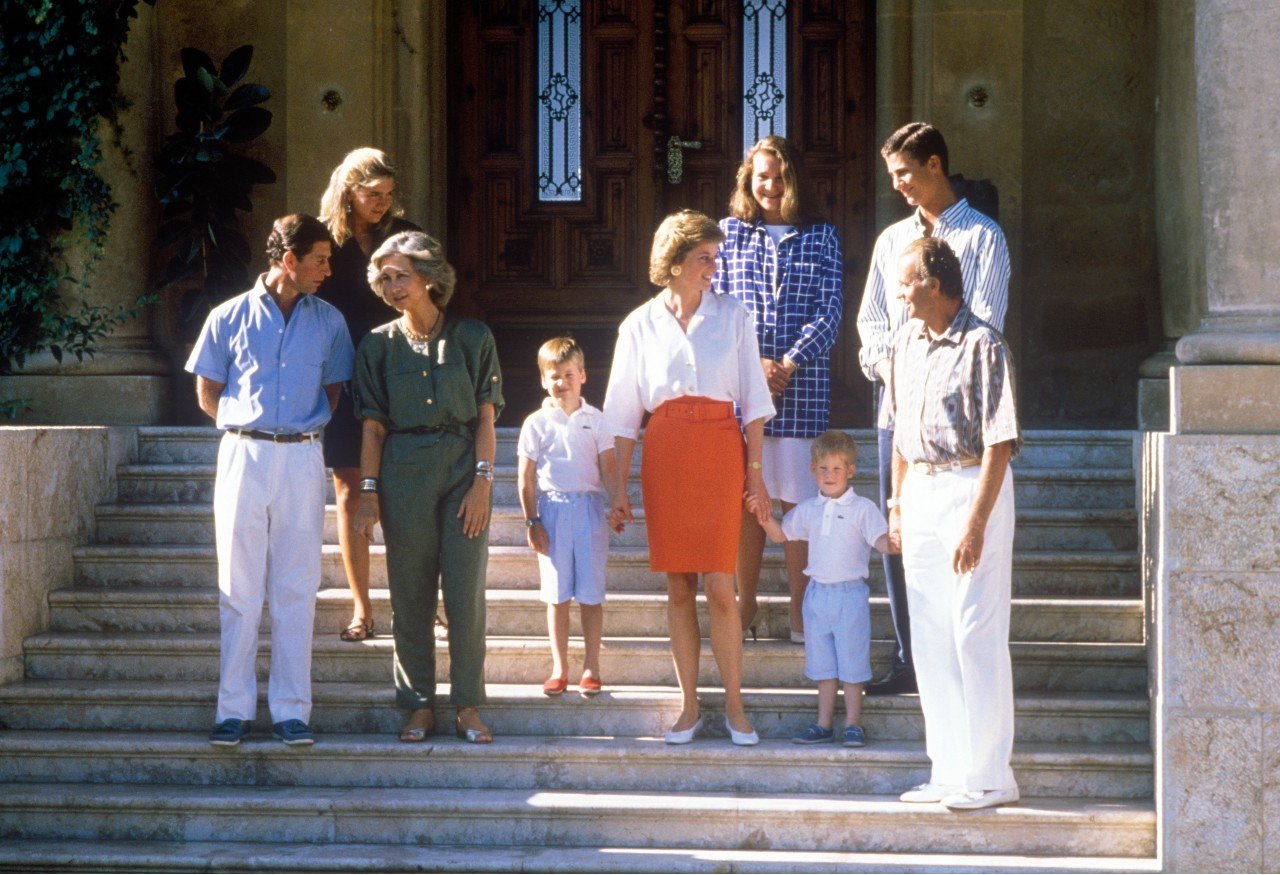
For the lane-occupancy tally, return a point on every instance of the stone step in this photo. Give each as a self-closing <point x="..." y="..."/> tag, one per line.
<point x="558" y="762"/>
<point x="192" y="523"/>
<point x="522" y="613"/>
<point x="422" y="816"/>
<point x="1062" y="574"/>
<point x="1063" y="448"/>
<point x="194" y="656"/>
<point x="137" y="856"/>
<point x="1033" y="487"/>
<point x="522" y="710"/>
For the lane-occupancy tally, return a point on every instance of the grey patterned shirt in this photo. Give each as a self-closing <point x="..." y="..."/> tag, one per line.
<point x="952" y="397"/>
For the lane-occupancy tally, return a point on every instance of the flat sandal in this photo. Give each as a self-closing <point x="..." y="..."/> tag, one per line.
<point x="411" y="734"/>
<point x="480" y="735"/>
<point x="360" y="629"/>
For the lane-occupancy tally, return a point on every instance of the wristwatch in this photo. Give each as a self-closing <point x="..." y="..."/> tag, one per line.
<point x="485" y="469"/>
<point x="532" y="521"/>
<point x="891" y="503"/>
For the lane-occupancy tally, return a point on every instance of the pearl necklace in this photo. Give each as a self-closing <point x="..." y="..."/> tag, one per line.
<point x="421" y="338"/>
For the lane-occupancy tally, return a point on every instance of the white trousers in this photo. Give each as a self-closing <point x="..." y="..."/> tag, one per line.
<point x="268" y="508"/>
<point x="960" y="628"/>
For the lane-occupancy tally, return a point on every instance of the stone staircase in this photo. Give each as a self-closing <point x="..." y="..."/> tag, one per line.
<point x="106" y="765"/>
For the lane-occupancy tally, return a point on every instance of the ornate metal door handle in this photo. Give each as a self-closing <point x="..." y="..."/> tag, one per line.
<point x="675" y="157"/>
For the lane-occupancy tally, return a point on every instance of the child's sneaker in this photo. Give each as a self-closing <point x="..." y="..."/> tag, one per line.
<point x="814" y="734"/>
<point x="854" y="736"/>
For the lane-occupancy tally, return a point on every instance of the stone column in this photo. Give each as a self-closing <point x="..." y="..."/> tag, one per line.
<point x="1179" y="242"/>
<point x="125" y="381"/>
<point x="1217" y="506"/>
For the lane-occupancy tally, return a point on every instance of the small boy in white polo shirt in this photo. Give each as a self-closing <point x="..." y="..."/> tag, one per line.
<point x="567" y="447"/>
<point x="841" y="528"/>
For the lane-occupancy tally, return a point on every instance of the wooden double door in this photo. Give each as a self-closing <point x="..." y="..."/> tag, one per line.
<point x="650" y="70"/>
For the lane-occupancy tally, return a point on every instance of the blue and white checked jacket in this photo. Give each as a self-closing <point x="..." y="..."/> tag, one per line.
<point x="795" y="293"/>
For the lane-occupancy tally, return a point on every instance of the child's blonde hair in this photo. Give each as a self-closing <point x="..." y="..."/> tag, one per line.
<point x="834" y="442"/>
<point x="559" y="350"/>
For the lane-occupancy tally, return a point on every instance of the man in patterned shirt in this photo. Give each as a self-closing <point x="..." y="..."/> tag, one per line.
<point x="951" y="393"/>
<point x="916" y="158"/>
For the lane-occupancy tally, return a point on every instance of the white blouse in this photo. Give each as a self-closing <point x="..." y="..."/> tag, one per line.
<point x="655" y="361"/>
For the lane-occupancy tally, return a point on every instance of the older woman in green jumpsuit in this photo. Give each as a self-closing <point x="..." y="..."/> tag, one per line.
<point x="428" y="388"/>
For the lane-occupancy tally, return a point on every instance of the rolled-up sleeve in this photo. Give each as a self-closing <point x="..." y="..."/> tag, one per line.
<point x="369" y="382"/>
<point x="754" y="398"/>
<point x="818" y="334"/>
<point x="488" y="374"/>
<point x="623" y="401"/>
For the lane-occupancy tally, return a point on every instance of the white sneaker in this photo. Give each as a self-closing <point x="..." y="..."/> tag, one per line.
<point x="969" y="800"/>
<point x="929" y="793"/>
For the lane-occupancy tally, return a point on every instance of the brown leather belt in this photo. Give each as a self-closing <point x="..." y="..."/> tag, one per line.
<point x="275" y="438"/>
<point x="931" y="468"/>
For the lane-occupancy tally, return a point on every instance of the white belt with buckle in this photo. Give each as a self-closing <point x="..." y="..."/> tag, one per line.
<point x="931" y="468"/>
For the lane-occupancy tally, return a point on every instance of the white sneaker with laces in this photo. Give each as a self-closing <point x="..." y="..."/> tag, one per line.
<point x="929" y="793"/>
<point x="970" y="800"/>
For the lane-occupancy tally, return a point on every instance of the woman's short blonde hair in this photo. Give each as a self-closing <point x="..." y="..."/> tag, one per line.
<point x="678" y="235"/>
<point x="362" y="167"/>
<point x="426" y="255"/>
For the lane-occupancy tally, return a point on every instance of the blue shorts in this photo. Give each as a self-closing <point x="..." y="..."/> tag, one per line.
<point x="578" y="530"/>
<point x="837" y="632"/>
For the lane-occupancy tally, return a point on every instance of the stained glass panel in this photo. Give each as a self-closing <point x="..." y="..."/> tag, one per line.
<point x="764" y="69"/>
<point x="559" y="100"/>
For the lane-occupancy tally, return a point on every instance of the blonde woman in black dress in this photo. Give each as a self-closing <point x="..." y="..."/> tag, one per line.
<point x="359" y="207"/>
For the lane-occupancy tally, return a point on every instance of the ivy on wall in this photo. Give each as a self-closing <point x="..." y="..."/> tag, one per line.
<point x="59" y="82"/>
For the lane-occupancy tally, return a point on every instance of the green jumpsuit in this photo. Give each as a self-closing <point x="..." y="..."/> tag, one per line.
<point x="428" y="398"/>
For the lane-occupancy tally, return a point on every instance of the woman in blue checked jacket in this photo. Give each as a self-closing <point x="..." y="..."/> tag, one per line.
<point x="785" y="265"/>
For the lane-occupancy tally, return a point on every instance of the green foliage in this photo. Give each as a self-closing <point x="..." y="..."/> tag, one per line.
<point x="203" y="183"/>
<point x="59" y="79"/>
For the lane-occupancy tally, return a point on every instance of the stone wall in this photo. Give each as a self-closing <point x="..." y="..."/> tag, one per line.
<point x="55" y="477"/>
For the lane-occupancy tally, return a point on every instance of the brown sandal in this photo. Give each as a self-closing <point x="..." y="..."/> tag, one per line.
<point x="422" y="722"/>
<point x="473" y="735"/>
<point x="360" y="629"/>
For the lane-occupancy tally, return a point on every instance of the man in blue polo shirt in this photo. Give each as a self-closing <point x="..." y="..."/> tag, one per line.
<point x="269" y="366"/>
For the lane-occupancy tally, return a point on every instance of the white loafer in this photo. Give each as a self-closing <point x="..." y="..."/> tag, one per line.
<point x="741" y="739"/>
<point x="683" y="736"/>
<point x="971" y="800"/>
<point x="929" y="793"/>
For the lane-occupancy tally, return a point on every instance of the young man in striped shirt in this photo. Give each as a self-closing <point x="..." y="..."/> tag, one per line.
<point x="916" y="158"/>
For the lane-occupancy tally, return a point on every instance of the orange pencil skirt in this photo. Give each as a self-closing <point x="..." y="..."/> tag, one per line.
<point x="692" y="474"/>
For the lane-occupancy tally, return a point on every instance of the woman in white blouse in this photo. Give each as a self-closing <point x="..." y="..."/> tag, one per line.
<point x="687" y="356"/>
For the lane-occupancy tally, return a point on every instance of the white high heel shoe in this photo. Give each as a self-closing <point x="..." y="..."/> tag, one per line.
<point x="742" y="739"/>
<point x="683" y="736"/>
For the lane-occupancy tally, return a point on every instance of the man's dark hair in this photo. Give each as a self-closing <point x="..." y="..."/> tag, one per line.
<point x="295" y="233"/>
<point x="938" y="261"/>
<point x="917" y="140"/>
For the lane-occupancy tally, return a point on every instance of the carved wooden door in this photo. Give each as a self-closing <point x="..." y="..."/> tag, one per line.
<point x="550" y="232"/>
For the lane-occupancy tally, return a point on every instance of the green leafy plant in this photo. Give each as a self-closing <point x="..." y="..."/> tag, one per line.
<point x="203" y="182"/>
<point x="59" y="80"/>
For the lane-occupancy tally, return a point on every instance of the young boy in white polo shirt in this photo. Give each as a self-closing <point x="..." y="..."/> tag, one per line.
<point x="566" y="463"/>
<point x="841" y="528"/>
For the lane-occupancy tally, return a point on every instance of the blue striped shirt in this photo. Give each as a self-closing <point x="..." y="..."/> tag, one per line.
<point x="795" y="293"/>
<point x="984" y="265"/>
